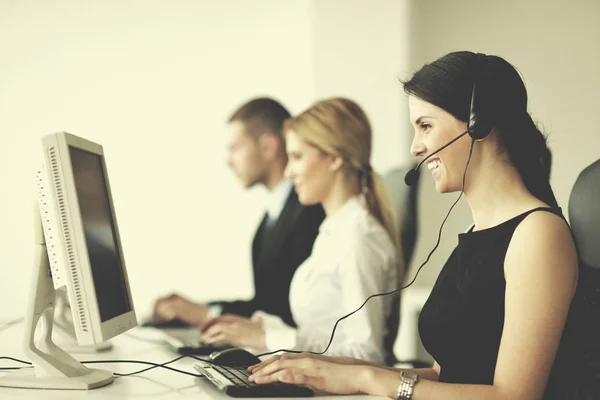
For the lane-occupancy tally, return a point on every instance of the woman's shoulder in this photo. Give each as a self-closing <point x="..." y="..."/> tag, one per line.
<point x="363" y="223"/>
<point x="367" y="234"/>
<point x="543" y="224"/>
<point x="542" y="242"/>
<point x="361" y="231"/>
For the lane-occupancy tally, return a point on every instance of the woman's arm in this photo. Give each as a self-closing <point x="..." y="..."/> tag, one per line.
<point x="324" y="374"/>
<point x="425" y="373"/>
<point x="431" y="374"/>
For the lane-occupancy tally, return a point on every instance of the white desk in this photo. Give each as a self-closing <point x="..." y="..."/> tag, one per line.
<point x="158" y="383"/>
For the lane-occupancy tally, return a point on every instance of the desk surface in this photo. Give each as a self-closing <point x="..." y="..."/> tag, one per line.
<point x="158" y="383"/>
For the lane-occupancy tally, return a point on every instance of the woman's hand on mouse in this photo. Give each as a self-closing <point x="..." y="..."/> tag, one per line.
<point x="238" y="331"/>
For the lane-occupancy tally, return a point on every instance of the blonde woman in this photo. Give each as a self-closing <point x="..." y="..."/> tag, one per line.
<point x="354" y="256"/>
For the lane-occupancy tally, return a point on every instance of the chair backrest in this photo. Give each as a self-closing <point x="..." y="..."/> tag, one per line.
<point x="404" y="202"/>
<point x="584" y="215"/>
<point x="584" y="332"/>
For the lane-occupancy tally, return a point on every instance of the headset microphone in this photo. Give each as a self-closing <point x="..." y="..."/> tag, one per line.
<point x="411" y="176"/>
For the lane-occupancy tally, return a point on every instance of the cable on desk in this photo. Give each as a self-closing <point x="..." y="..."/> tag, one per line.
<point x="153" y="365"/>
<point x="15" y="360"/>
<point x="8" y="324"/>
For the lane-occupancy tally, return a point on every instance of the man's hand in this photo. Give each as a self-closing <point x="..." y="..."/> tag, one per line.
<point x="238" y="331"/>
<point x="175" y="306"/>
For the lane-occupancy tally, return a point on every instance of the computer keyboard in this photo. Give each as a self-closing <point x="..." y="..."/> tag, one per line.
<point x="234" y="382"/>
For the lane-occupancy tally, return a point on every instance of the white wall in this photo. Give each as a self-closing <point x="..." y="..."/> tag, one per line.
<point x="360" y="50"/>
<point x="154" y="82"/>
<point x="554" y="44"/>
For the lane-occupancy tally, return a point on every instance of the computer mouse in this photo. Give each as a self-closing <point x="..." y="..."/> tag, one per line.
<point x="234" y="357"/>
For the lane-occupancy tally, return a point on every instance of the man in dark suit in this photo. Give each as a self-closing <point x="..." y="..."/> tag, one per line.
<point x="284" y="239"/>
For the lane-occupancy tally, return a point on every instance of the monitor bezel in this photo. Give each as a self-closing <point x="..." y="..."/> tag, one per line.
<point x="100" y="331"/>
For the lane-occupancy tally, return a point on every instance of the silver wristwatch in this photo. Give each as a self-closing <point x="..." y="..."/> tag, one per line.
<point x="407" y="384"/>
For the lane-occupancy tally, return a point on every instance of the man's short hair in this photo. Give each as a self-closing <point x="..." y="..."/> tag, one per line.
<point x="261" y="115"/>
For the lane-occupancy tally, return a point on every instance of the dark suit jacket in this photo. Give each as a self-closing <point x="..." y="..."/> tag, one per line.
<point x="276" y="254"/>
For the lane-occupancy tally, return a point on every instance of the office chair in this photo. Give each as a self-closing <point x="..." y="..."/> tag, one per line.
<point x="404" y="204"/>
<point x="584" y="215"/>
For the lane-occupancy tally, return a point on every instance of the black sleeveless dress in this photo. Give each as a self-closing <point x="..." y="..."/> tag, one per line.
<point x="461" y="323"/>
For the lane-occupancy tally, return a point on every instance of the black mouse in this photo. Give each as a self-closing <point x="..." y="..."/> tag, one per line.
<point x="234" y="357"/>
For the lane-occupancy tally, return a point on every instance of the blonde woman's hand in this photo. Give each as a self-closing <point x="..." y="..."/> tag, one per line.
<point x="236" y="330"/>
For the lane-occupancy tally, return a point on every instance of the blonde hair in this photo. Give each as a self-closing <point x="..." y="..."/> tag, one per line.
<point x="339" y="127"/>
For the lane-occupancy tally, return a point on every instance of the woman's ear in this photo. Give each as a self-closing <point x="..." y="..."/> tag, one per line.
<point x="336" y="164"/>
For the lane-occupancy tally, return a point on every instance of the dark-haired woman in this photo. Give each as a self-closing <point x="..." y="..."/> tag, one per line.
<point x="498" y="321"/>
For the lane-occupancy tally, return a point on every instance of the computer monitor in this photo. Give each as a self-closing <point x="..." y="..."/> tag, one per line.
<point x="78" y="248"/>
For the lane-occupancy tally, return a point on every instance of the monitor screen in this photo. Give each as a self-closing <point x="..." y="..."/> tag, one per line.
<point x="100" y="235"/>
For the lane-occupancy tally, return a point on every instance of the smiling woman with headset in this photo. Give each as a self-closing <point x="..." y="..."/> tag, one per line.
<point x="499" y="320"/>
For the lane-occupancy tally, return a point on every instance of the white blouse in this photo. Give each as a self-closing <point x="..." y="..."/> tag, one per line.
<point x="352" y="258"/>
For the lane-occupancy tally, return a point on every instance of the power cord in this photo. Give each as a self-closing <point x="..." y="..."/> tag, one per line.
<point x="8" y="324"/>
<point x="153" y="365"/>
<point x="394" y="291"/>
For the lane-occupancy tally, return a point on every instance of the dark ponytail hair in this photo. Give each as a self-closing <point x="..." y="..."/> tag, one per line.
<point x="501" y="99"/>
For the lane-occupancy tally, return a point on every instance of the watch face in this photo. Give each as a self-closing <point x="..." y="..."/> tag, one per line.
<point x="410" y="375"/>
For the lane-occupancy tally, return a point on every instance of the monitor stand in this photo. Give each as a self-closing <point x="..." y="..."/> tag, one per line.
<point x="52" y="367"/>
<point x="64" y="333"/>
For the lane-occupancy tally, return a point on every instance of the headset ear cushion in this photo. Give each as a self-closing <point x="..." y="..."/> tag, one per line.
<point x="479" y="129"/>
